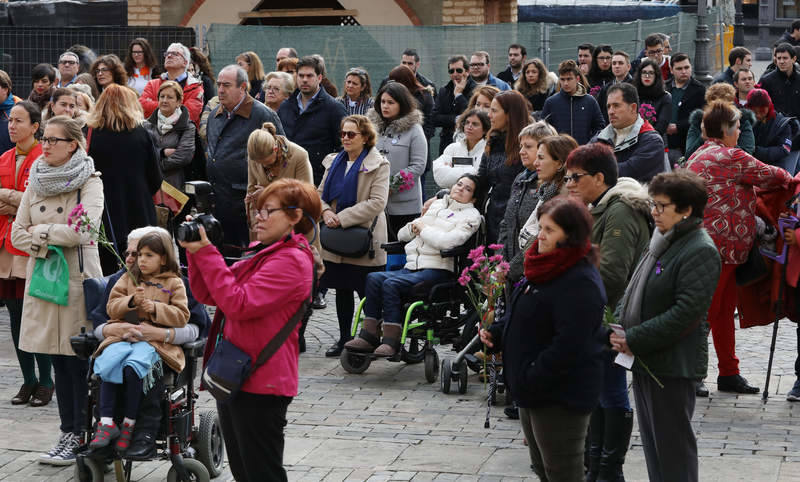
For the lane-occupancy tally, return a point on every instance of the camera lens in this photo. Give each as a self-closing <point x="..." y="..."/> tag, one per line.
<point x="188" y="232"/>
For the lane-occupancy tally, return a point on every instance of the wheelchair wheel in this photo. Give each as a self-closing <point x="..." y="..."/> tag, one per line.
<point x="210" y="445"/>
<point x="431" y="365"/>
<point x="354" y="363"/>
<point x="447" y="373"/>
<point x="93" y="471"/>
<point x="462" y="377"/>
<point x="196" y="470"/>
<point x="413" y="352"/>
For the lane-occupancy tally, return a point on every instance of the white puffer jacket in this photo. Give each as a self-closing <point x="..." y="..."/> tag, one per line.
<point x="445" y="173"/>
<point x="447" y="224"/>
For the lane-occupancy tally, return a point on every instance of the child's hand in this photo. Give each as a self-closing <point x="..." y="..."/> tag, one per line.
<point x="788" y="236"/>
<point x="148" y="306"/>
<point x="138" y="296"/>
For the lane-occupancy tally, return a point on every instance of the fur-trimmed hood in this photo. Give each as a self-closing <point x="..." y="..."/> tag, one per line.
<point x="629" y="191"/>
<point x="396" y="126"/>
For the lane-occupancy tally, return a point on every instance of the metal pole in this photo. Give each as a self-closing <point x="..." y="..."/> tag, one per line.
<point x="721" y="28"/>
<point x="702" y="43"/>
<point x="546" y="43"/>
<point x="764" y="50"/>
<point x="639" y="39"/>
<point x="738" y="25"/>
<point x="542" y="46"/>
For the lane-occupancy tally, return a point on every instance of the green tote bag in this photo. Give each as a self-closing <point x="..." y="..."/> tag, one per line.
<point x="50" y="279"/>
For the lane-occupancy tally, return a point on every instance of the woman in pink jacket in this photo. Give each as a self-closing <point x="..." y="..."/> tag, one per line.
<point x="257" y="297"/>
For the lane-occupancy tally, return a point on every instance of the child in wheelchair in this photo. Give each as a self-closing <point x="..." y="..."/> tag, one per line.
<point x="448" y="223"/>
<point x="156" y="297"/>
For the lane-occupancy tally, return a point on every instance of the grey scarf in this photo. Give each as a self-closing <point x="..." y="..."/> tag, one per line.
<point x="632" y="299"/>
<point x="46" y="180"/>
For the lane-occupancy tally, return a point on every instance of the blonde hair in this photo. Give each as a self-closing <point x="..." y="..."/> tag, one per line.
<point x="117" y="110"/>
<point x="538" y="131"/>
<point x="720" y="91"/>
<point x="261" y="143"/>
<point x="87" y="99"/>
<point x="255" y="70"/>
<point x="287" y="82"/>
<point x="171" y="84"/>
<point x="70" y="127"/>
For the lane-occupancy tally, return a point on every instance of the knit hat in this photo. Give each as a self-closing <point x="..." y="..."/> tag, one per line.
<point x="760" y="98"/>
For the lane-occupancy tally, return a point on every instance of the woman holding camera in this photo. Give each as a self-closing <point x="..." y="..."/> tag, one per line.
<point x="63" y="177"/>
<point x="124" y="152"/>
<point x="354" y="191"/>
<point x="257" y="297"/>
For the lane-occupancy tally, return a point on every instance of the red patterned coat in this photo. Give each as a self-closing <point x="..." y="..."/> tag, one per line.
<point x="731" y="177"/>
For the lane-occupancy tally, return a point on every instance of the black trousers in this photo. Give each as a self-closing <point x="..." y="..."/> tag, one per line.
<point x="72" y="391"/>
<point x="252" y="426"/>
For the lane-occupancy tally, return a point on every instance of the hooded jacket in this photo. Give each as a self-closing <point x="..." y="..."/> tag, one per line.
<point x="447" y="224"/>
<point x="641" y="154"/>
<point x="445" y="173"/>
<point x="577" y="115"/>
<point x="402" y="142"/>
<point x="622" y="231"/>
<point x="773" y="139"/>
<point x="192" y="96"/>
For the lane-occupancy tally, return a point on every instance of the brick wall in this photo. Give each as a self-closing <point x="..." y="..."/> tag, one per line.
<point x="144" y="12"/>
<point x="472" y="12"/>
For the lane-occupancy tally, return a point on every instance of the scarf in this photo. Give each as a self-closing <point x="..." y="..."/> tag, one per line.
<point x="6" y="106"/>
<point x="46" y="180"/>
<point x="41" y="99"/>
<point x="165" y="124"/>
<point x="541" y="268"/>
<point x="273" y="171"/>
<point x="340" y="186"/>
<point x="632" y="299"/>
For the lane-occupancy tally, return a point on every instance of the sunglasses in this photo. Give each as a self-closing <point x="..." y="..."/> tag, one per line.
<point x="350" y="134"/>
<point x="452" y="71"/>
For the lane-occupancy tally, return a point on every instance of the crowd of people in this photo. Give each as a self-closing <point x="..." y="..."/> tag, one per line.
<point x="616" y="181"/>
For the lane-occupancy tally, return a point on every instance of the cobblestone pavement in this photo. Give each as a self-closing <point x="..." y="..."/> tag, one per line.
<point x="389" y="424"/>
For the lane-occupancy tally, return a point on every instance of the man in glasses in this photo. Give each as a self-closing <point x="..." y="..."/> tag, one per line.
<point x="637" y="146"/>
<point x="176" y="60"/>
<point x="654" y="49"/>
<point x="479" y="71"/>
<point x="452" y="99"/>
<point x="68" y="65"/>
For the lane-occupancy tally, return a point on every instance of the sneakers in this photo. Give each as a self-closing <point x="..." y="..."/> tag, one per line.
<point x="103" y="436"/>
<point x="46" y="457"/>
<point x="66" y="455"/>
<point x="794" y="393"/>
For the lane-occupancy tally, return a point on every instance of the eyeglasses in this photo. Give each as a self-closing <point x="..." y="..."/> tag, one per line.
<point x="137" y="52"/>
<point x="264" y="213"/>
<point x="648" y="73"/>
<point x="51" y="141"/>
<point x="350" y="134"/>
<point x="173" y="54"/>
<point x="452" y="71"/>
<point x="131" y="253"/>
<point x="604" y="58"/>
<point x="575" y="177"/>
<point x="477" y="64"/>
<point x="655" y="52"/>
<point x="67" y="62"/>
<point x="102" y="70"/>
<point x="658" y="207"/>
<point x="272" y="89"/>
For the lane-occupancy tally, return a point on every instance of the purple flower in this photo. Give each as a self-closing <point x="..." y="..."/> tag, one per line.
<point x="658" y="267"/>
<point x="450" y="215"/>
<point x="165" y="290"/>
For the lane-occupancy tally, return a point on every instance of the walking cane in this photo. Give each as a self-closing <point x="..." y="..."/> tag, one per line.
<point x="778" y="312"/>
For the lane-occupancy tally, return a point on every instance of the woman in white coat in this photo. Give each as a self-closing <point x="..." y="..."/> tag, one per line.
<point x="60" y="179"/>
<point x="448" y="223"/>
<point x="451" y="165"/>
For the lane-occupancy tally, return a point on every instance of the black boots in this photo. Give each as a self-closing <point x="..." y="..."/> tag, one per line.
<point x="594" y="444"/>
<point x="616" y="438"/>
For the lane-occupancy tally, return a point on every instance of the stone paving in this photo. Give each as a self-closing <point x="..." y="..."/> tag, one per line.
<point x="389" y="424"/>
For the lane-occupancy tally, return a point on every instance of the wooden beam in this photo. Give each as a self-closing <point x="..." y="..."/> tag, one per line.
<point x="298" y="12"/>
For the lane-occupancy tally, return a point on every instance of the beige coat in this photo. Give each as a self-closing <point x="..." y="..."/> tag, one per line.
<point x="172" y="311"/>
<point x="295" y="165"/>
<point x="47" y="327"/>
<point x="373" y="193"/>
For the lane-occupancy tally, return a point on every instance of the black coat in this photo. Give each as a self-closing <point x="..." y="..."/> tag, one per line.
<point x="551" y="337"/>
<point x="773" y="139"/>
<point x="507" y="76"/>
<point x="693" y="98"/>
<point x="784" y="91"/>
<point x="577" y="115"/>
<point x="602" y="97"/>
<point x="316" y="129"/>
<point x="448" y="108"/>
<point x="128" y="161"/>
<point x="498" y="177"/>
<point x="724" y="76"/>
<point x="663" y="107"/>
<point x="425" y="103"/>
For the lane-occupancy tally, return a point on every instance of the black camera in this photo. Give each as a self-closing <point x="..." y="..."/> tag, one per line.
<point x="203" y="195"/>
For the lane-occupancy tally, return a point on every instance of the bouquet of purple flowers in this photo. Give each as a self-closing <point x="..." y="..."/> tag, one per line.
<point x="648" y="112"/>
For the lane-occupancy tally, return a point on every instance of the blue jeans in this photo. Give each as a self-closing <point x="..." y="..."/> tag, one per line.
<point x="385" y="289"/>
<point x="615" y="386"/>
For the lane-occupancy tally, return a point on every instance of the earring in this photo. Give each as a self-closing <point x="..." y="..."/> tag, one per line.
<point x="685" y="217"/>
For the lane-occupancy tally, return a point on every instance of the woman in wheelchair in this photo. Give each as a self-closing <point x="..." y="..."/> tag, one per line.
<point x="155" y="297"/>
<point x="148" y="420"/>
<point x="447" y="224"/>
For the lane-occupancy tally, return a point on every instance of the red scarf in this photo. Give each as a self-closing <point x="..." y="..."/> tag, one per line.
<point x="541" y="268"/>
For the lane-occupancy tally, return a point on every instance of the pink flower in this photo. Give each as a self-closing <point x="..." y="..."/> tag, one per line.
<point x="503" y="267"/>
<point x="77" y="229"/>
<point x="69" y="222"/>
<point x="91" y="243"/>
<point x="475" y="266"/>
<point x="496" y="258"/>
<point x="463" y="280"/>
<point x="474" y="253"/>
<point x="495" y="247"/>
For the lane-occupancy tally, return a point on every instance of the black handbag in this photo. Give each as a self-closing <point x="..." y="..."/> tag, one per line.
<point x="753" y="270"/>
<point x="353" y="242"/>
<point x="229" y="367"/>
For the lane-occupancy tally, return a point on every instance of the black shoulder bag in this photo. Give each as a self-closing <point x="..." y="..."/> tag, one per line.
<point x="352" y="242"/>
<point x="229" y="367"/>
